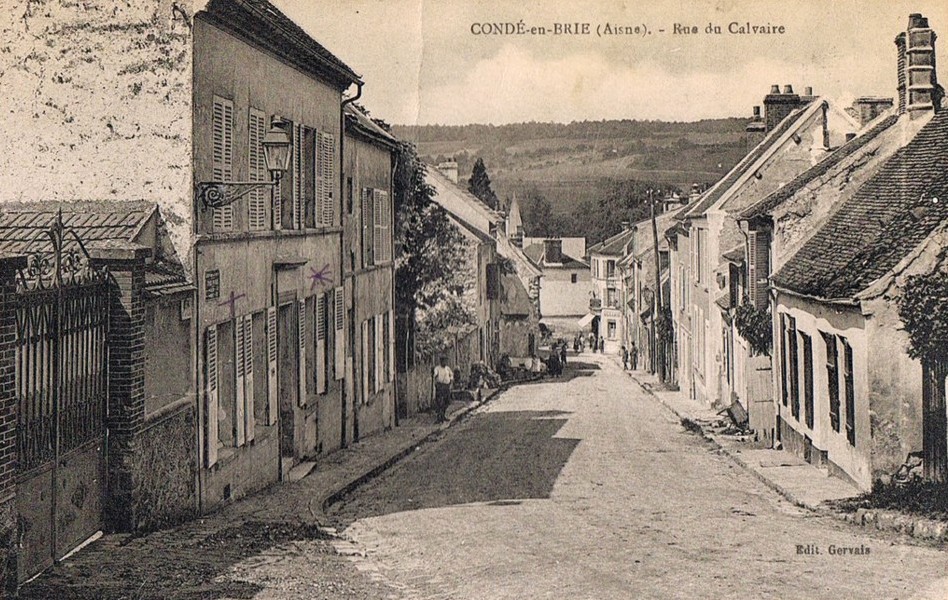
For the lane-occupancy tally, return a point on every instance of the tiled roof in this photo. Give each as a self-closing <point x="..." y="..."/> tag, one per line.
<point x="735" y="255"/>
<point x="358" y="120"/>
<point x="890" y="215"/>
<point x="535" y="253"/>
<point x="750" y="159"/>
<point x="818" y="170"/>
<point x="614" y="245"/>
<point x="267" y="26"/>
<point x="23" y="226"/>
<point x="165" y="280"/>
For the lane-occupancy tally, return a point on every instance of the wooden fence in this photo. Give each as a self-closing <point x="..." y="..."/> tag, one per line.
<point x="416" y="387"/>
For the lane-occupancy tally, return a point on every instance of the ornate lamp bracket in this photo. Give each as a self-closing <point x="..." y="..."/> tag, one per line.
<point x="215" y="194"/>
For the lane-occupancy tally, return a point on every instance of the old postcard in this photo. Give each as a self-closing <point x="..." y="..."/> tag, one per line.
<point x="473" y="299"/>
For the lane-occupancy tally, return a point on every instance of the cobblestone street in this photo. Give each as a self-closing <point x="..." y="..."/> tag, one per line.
<point x="589" y="488"/>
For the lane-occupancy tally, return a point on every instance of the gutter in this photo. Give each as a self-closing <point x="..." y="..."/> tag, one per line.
<point x="851" y="302"/>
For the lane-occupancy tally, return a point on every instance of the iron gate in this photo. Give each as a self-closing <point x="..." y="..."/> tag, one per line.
<point x="62" y="316"/>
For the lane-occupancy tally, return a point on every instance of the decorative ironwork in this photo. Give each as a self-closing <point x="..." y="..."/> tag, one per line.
<point x="64" y="263"/>
<point x="216" y="194"/>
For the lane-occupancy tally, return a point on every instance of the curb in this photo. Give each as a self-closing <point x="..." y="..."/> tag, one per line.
<point x="341" y="492"/>
<point x="881" y="520"/>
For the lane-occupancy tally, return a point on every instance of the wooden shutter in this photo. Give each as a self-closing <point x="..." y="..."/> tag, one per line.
<point x="383" y="224"/>
<point x="297" y="176"/>
<point x="377" y="245"/>
<point x="210" y="377"/>
<point x="277" y="205"/>
<point x="391" y="346"/>
<point x="365" y="361"/>
<point x="249" y="420"/>
<point x="368" y="227"/>
<point x="272" y="392"/>
<point x="762" y="262"/>
<point x="257" y="199"/>
<point x="321" y="386"/>
<point x="379" y="367"/>
<point x="222" y="128"/>
<point x="752" y="267"/>
<point x="240" y="364"/>
<point x="339" y="306"/>
<point x="301" y="328"/>
<point x="325" y="174"/>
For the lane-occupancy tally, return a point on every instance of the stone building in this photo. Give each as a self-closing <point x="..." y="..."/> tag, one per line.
<point x="565" y="282"/>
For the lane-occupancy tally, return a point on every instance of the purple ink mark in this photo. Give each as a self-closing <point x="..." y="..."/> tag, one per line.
<point x="232" y="301"/>
<point x="322" y="276"/>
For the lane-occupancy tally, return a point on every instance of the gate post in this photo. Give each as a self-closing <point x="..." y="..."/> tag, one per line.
<point x="126" y="400"/>
<point x="8" y="421"/>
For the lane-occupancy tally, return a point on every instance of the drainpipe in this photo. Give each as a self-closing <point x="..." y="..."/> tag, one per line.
<point x="342" y="249"/>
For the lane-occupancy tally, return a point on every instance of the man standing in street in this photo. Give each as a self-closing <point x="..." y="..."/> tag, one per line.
<point x="443" y="378"/>
<point x="634" y="357"/>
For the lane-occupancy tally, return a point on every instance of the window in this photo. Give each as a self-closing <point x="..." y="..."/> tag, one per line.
<point x="222" y="132"/>
<point x="611" y="297"/>
<point x="257" y="212"/>
<point x="349" y="198"/>
<point x="758" y="267"/>
<point x="368" y="228"/>
<point x="325" y="178"/>
<point x="699" y="275"/>
<point x="610" y="269"/>
<point x="573" y="278"/>
<point x="320" y="371"/>
<point x="611" y="329"/>
<point x="370" y="366"/>
<point x="832" y="378"/>
<point x="807" y="379"/>
<point x="382" y="218"/>
<point x="386" y="347"/>
<point x="850" y="391"/>
<point x="309" y="183"/>
<point x="339" y="308"/>
<point x="288" y="189"/>
<point x="793" y="367"/>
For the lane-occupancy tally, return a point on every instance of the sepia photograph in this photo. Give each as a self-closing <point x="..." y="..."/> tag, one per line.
<point x="473" y="300"/>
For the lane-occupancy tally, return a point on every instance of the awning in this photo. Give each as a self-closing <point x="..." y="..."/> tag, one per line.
<point x="586" y="320"/>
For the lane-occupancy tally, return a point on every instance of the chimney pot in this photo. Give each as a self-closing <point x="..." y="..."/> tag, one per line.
<point x="625" y="225"/>
<point x="775" y="89"/>
<point x="756" y="112"/>
<point x="917" y="21"/>
<point x="808" y="91"/>
<point x="788" y="89"/>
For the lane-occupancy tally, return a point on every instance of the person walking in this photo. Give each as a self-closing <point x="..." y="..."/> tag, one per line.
<point x="563" y="353"/>
<point x="443" y="378"/>
<point x="602" y="344"/>
<point x="634" y="357"/>
<point x="625" y="358"/>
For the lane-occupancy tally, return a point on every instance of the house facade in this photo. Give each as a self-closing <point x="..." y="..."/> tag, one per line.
<point x="850" y="396"/>
<point x="605" y="302"/>
<point x="565" y="283"/>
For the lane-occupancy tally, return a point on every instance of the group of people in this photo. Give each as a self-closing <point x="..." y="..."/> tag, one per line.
<point x="630" y="357"/>
<point x="596" y="344"/>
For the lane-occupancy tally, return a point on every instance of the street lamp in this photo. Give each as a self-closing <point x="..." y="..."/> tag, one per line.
<point x="276" y="155"/>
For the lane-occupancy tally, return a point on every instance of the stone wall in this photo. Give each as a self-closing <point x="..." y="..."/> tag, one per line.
<point x="165" y="460"/>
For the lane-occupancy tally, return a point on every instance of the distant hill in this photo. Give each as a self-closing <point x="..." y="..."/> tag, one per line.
<point x="573" y="165"/>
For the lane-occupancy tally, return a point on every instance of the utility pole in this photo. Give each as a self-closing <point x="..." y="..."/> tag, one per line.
<point x="658" y="354"/>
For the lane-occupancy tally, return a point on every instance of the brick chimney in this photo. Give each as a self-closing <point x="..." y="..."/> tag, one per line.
<point x="777" y="105"/>
<point x="867" y="108"/>
<point x="449" y="169"/>
<point x="755" y="130"/>
<point x="918" y="87"/>
<point x="553" y="251"/>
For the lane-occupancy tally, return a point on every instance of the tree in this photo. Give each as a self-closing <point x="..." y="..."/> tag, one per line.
<point x="431" y="269"/>
<point x="537" y="213"/>
<point x="479" y="185"/>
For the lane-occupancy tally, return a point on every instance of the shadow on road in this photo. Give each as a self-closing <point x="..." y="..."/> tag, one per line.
<point x="497" y="456"/>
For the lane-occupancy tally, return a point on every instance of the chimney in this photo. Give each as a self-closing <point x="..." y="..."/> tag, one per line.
<point x="918" y="87"/>
<point x="553" y="251"/>
<point x="695" y="193"/>
<point x="778" y="105"/>
<point x="808" y="91"/>
<point x="449" y="169"/>
<point x="755" y="130"/>
<point x="757" y="113"/>
<point x="625" y="225"/>
<point x="867" y="108"/>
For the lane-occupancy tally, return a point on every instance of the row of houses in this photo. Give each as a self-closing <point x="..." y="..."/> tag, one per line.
<point x="786" y="276"/>
<point x="197" y="266"/>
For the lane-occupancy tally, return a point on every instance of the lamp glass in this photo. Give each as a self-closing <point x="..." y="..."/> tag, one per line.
<point x="276" y="150"/>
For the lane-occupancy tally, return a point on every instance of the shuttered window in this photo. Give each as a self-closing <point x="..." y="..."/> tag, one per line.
<point x="832" y="378"/>
<point x="364" y="344"/>
<point x="301" y="329"/>
<point x="387" y="346"/>
<point x="849" y="381"/>
<point x="240" y="389"/>
<point x="249" y="393"/>
<point x="758" y="267"/>
<point x="379" y="366"/>
<point x="288" y="183"/>
<point x="272" y="392"/>
<point x="339" y="337"/>
<point x="368" y="228"/>
<point x="296" y="221"/>
<point x="257" y="213"/>
<point x="311" y="181"/>
<point x="382" y="239"/>
<point x="326" y="178"/>
<point x="321" y="383"/>
<point x="222" y="128"/>
<point x="807" y="380"/>
<point x="212" y="394"/>
<point x="793" y="367"/>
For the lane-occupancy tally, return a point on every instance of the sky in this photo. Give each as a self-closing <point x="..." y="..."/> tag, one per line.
<point x="422" y="64"/>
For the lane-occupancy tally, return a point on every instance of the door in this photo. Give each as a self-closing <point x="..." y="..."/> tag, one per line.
<point x="288" y="380"/>
<point x="61" y="362"/>
<point x="935" y="419"/>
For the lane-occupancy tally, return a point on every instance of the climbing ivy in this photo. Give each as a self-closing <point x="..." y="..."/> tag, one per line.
<point x="923" y="308"/>
<point x="755" y="326"/>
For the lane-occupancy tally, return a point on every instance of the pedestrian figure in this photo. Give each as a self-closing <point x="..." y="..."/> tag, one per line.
<point x="634" y="357"/>
<point x="443" y="377"/>
<point x="625" y="358"/>
<point x="592" y="342"/>
<point x="553" y="363"/>
<point x="602" y="344"/>
<point x="576" y="344"/>
<point x="563" y="353"/>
